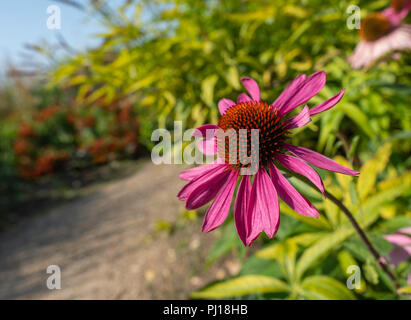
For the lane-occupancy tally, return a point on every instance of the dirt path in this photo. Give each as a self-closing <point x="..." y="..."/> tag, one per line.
<point x="105" y="245"/>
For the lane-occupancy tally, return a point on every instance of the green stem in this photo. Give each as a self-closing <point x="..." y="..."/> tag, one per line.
<point x="364" y="238"/>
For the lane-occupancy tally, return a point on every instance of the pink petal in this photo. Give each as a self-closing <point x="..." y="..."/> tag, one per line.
<point x="299" y="120"/>
<point x="327" y="104"/>
<point x="209" y="174"/>
<point x="304" y="92"/>
<point x="193" y="173"/>
<point x="241" y="206"/>
<point x="218" y="210"/>
<point x="224" y="104"/>
<point x="207" y="188"/>
<point x="252" y="88"/>
<point x="263" y="209"/>
<point x="406" y="230"/>
<point x="299" y="166"/>
<point x="208" y="147"/>
<point x="291" y="196"/>
<point x="204" y="131"/>
<point x="289" y="91"/>
<point x="396" y="17"/>
<point x="319" y="160"/>
<point x="243" y="98"/>
<point x="398" y="239"/>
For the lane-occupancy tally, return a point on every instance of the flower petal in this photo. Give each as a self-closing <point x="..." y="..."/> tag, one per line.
<point x="208" y="147"/>
<point x="224" y="104"/>
<point x="406" y="230"/>
<point x="327" y="104"/>
<point x="290" y="195"/>
<point x="319" y="160"/>
<point x="289" y="91"/>
<point x="299" y="120"/>
<point x="241" y="206"/>
<point x="304" y="92"/>
<point x="207" y="188"/>
<point x="208" y="174"/>
<point x="205" y="131"/>
<point x="398" y="239"/>
<point x="243" y="97"/>
<point x="252" y="88"/>
<point x="191" y="174"/>
<point x="218" y="210"/>
<point x="263" y="209"/>
<point x="299" y="166"/>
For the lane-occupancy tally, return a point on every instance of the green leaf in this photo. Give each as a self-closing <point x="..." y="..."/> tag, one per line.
<point x="241" y="286"/>
<point x="227" y="242"/>
<point x="325" y="288"/>
<point x="371" y="169"/>
<point x="321" y="248"/>
<point x="207" y="89"/>
<point x="356" y="115"/>
<point x="404" y="290"/>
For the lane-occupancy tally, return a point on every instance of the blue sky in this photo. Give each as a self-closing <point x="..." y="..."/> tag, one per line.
<point x="24" y="21"/>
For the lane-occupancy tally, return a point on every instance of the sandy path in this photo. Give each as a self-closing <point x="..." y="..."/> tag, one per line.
<point x="105" y="245"/>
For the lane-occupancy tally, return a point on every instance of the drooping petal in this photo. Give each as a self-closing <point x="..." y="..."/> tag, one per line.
<point x="241" y="206"/>
<point x="252" y="88"/>
<point x="224" y="104"/>
<point x="299" y="166"/>
<point x="218" y="210"/>
<point x="289" y="91"/>
<point x="263" y="210"/>
<point x="192" y="173"/>
<point x="208" y="174"/>
<point x="327" y="104"/>
<point x="299" y="120"/>
<point x="319" y="160"/>
<point x="243" y="97"/>
<point x="207" y="188"/>
<point x="208" y="146"/>
<point x="204" y="131"/>
<point x="304" y="92"/>
<point x="406" y="230"/>
<point x="398" y="239"/>
<point x="290" y="195"/>
<point x="395" y="17"/>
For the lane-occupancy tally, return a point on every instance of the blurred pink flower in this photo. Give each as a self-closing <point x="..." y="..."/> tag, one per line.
<point x="401" y="239"/>
<point x="382" y="33"/>
<point x="256" y="206"/>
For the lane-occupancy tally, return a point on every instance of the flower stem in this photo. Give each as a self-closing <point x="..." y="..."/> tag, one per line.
<point x="363" y="237"/>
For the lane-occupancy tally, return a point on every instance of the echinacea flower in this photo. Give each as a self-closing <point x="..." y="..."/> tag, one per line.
<point x="382" y="33"/>
<point x="256" y="206"/>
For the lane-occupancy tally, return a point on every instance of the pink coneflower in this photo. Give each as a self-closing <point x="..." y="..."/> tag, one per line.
<point x="256" y="206"/>
<point x="382" y="33"/>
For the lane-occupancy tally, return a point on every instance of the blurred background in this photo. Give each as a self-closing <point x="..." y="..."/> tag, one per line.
<point x="78" y="104"/>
